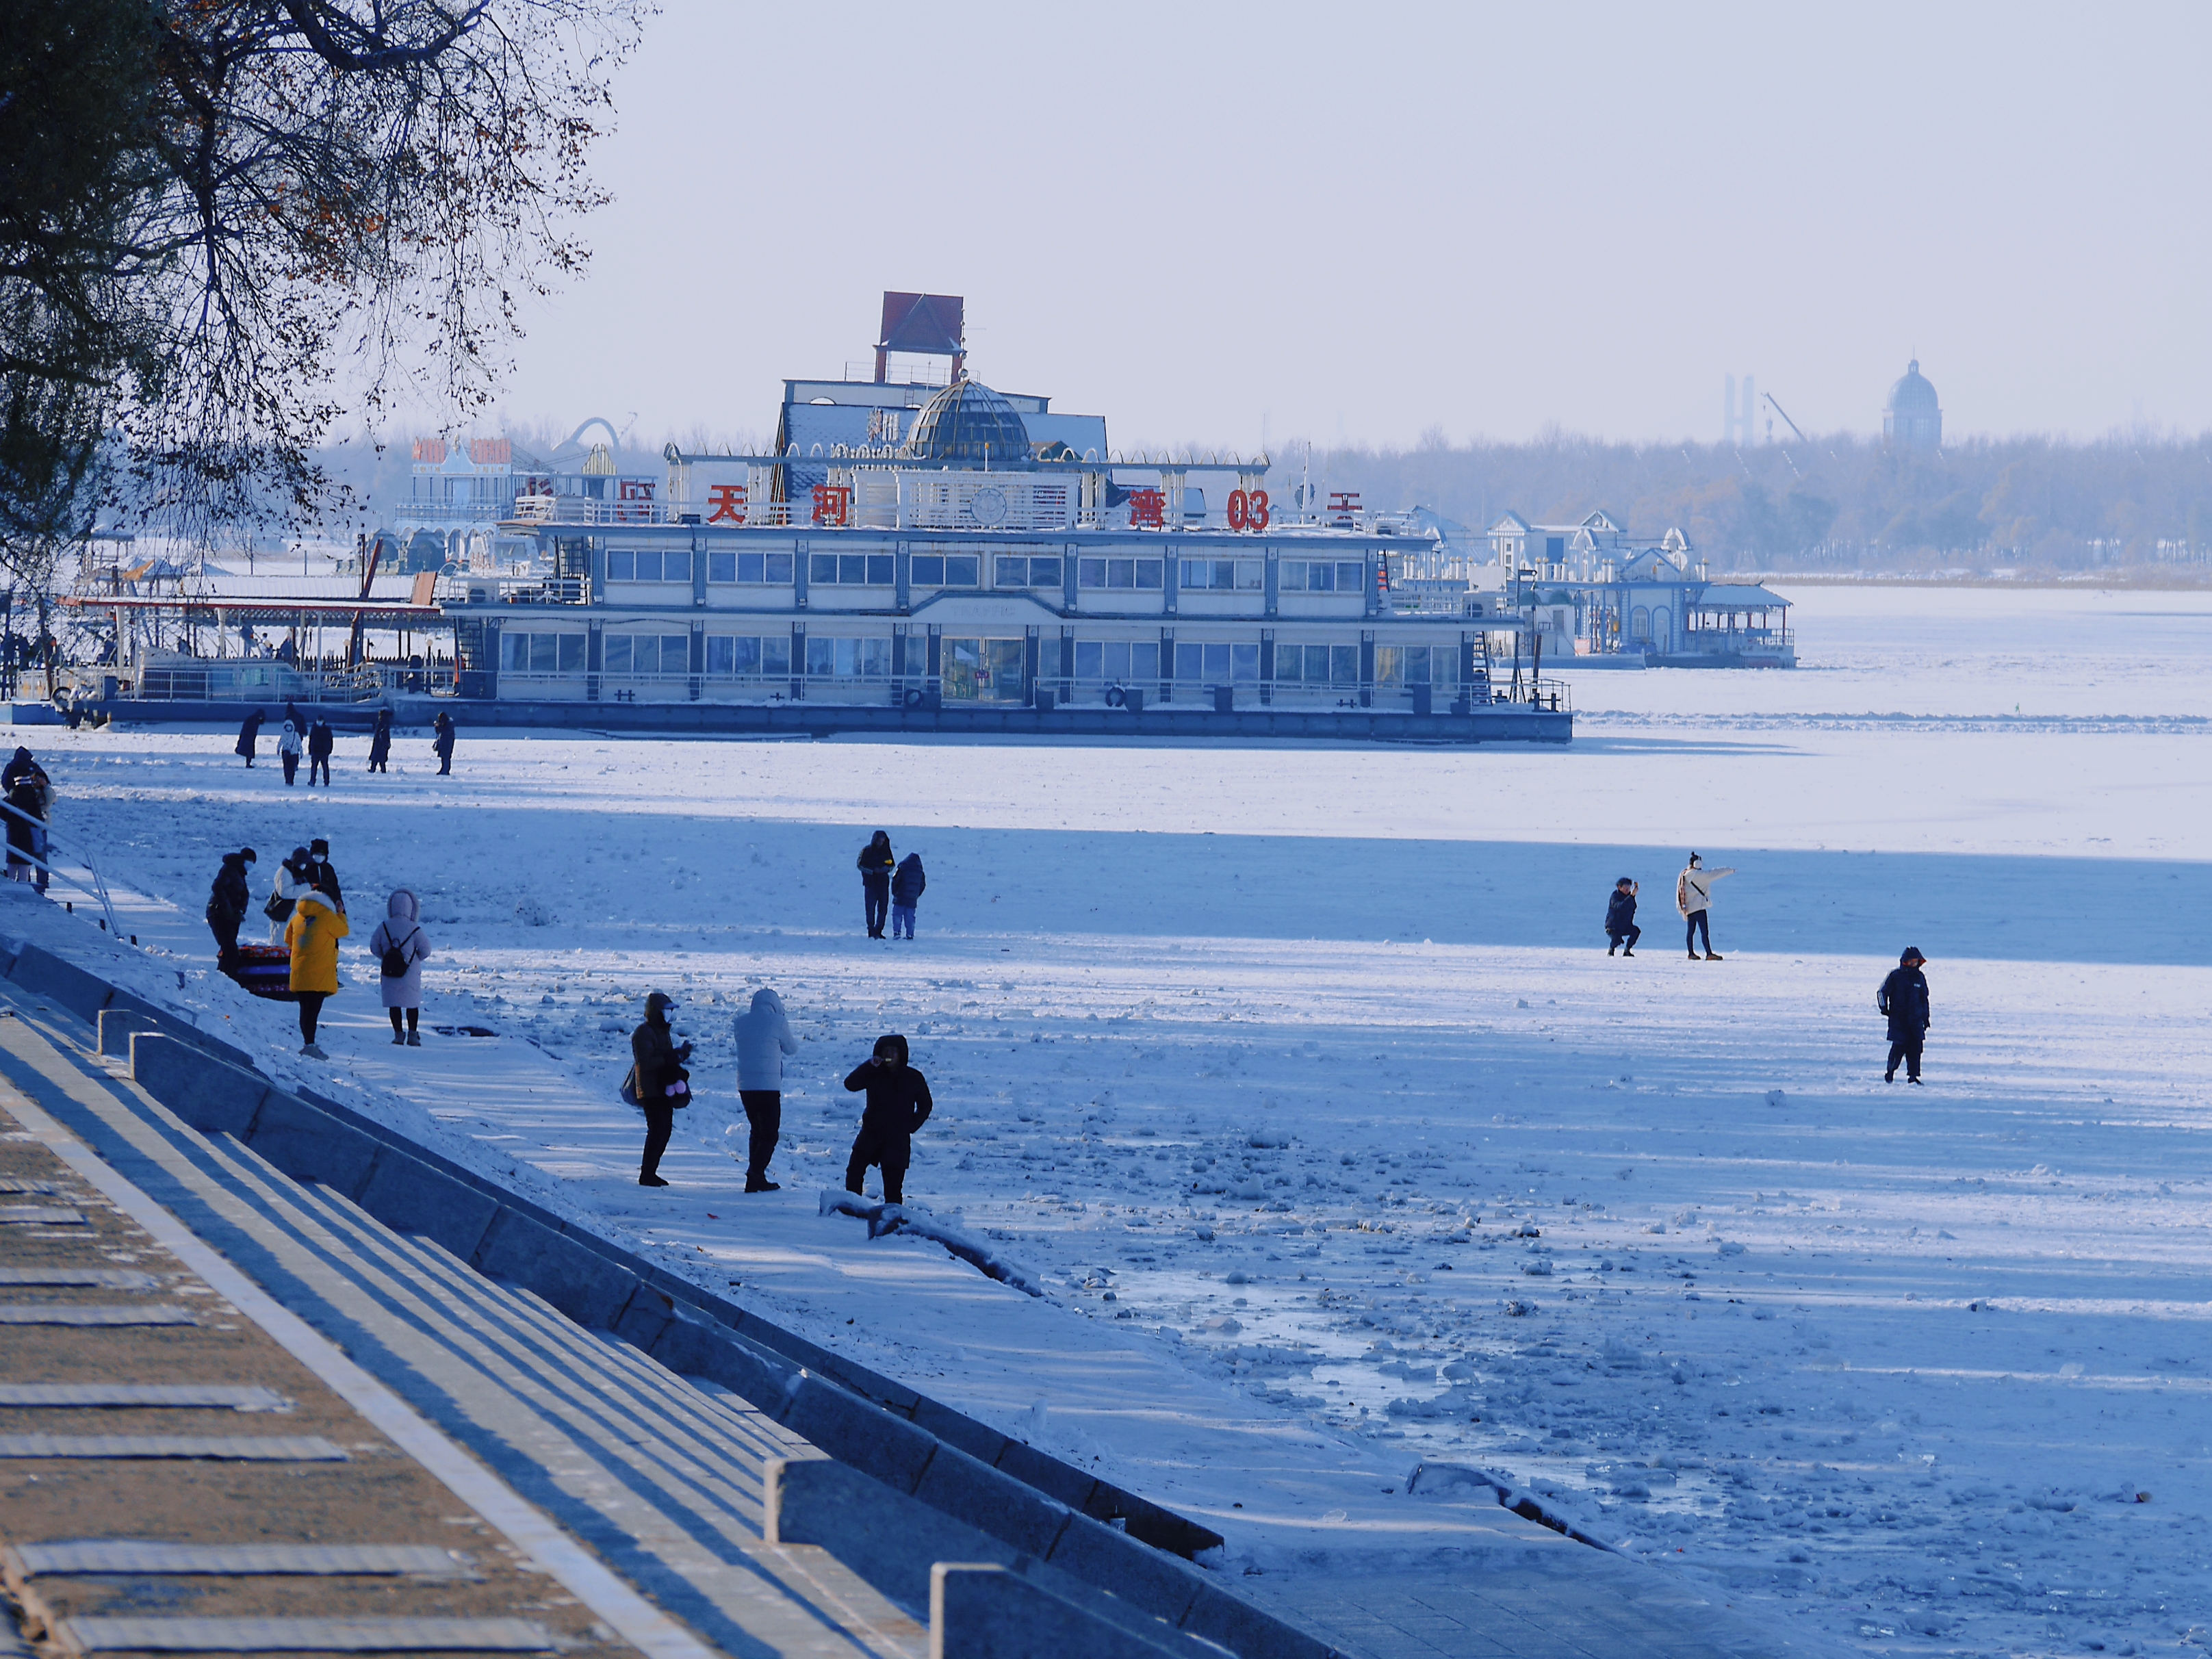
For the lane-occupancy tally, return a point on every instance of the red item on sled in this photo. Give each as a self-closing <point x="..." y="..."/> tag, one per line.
<point x="266" y="971"/>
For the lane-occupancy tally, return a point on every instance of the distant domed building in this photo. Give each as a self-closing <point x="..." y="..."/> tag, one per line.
<point x="1913" y="419"/>
<point x="969" y="425"/>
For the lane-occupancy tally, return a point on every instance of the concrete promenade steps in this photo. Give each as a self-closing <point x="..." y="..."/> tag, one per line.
<point x="678" y="1404"/>
<point x="96" y="1511"/>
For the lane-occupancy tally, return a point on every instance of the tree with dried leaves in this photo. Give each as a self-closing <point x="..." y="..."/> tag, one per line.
<point x="221" y="219"/>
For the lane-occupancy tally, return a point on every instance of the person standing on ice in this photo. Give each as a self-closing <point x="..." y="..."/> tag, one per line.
<point x="1903" y="999"/>
<point x="1693" y="898"/>
<point x="662" y="1084"/>
<point x="441" y="742"/>
<point x="876" y="864"/>
<point x="249" y="736"/>
<point x="763" y="1034"/>
<point x="1620" y="918"/>
<point x="321" y="742"/>
<point x="398" y="943"/>
<point x="898" y="1104"/>
<point x="380" y="743"/>
<point x="907" y="883"/>
<point x="288" y="751"/>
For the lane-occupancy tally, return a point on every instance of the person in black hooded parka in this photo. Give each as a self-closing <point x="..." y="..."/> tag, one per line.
<point x="662" y="1083"/>
<point x="380" y="743"/>
<point x="898" y="1104"/>
<point x="249" y="735"/>
<point x="875" y="865"/>
<point x="1904" y="999"/>
<point x="227" y="903"/>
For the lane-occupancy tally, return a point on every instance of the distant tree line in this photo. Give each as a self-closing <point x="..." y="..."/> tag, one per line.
<point x="1840" y="502"/>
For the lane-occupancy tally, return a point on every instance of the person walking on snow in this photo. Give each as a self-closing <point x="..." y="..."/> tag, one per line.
<point x="907" y="883"/>
<point x="1620" y="918"/>
<point x="1693" y="898"/>
<point x="898" y="1104"/>
<point x="1903" y="999"/>
<point x="876" y="864"/>
<point x="441" y="742"/>
<point x="227" y="903"/>
<point x="398" y="944"/>
<point x="249" y="736"/>
<point x="288" y="751"/>
<point x="314" y="933"/>
<point x="321" y="740"/>
<point x="662" y="1084"/>
<point x="763" y="1034"/>
<point x="380" y="743"/>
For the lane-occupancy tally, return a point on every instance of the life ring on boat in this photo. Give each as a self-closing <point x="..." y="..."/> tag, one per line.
<point x="914" y="697"/>
<point x="1116" y="697"/>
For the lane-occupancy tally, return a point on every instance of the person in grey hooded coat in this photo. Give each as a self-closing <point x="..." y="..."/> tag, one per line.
<point x="763" y="1034"/>
<point x="399" y="937"/>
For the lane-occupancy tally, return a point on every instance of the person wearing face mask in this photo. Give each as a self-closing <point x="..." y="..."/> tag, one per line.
<point x="663" y="1085"/>
<point x="898" y="1104"/>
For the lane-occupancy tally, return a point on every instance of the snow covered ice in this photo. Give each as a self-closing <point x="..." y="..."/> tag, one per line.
<point x="1302" y="1082"/>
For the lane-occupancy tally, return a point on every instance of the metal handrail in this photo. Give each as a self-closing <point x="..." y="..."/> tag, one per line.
<point x="98" y="889"/>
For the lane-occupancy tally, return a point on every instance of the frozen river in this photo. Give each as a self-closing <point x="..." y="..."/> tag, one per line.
<point x="1303" y="1077"/>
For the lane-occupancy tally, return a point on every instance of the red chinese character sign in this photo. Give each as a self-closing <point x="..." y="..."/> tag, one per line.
<point x="833" y="504"/>
<point x="727" y="503"/>
<point x="1344" y="504"/>
<point x="1148" y="509"/>
<point x="1249" y="511"/>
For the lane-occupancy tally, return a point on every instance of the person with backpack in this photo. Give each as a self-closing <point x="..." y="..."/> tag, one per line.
<point x="898" y="1104"/>
<point x="380" y="743"/>
<point x="1903" y="1000"/>
<point x="907" y="884"/>
<point x="249" y="736"/>
<point x="876" y="864"/>
<point x="1620" y="926"/>
<point x="287" y="752"/>
<point x="321" y="740"/>
<point x="658" y="1081"/>
<point x="228" y="901"/>
<point x="399" y="948"/>
<point x="763" y="1035"/>
<point x="1693" y="898"/>
<point x="314" y="933"/>
<point x="441" y="742"/>
<point x="295" y="878"/>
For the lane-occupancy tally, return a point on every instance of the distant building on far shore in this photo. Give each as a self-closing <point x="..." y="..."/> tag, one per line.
<point x="1913" y="419"/>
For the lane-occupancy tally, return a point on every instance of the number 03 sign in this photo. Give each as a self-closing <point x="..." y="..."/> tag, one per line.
<point x="1248" y="511"/>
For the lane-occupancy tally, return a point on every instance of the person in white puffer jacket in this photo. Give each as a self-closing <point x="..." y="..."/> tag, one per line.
<point x="763" y="1035"/>
<point x="1693" y="898"/>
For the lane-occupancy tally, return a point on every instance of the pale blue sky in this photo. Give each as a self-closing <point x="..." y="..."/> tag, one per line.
<point x="1361" y="221"/>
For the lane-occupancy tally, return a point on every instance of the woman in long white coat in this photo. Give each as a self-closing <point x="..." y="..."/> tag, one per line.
<point x="399" y="941"/>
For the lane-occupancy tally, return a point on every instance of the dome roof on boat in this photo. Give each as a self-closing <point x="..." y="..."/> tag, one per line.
<point x="969" y="425"/>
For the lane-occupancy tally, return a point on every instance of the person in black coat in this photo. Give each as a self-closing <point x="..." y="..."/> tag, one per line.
<point x="1904" y="999"/>
<point x="661" y="1083"/>
<point x="228" y="902"/>
<point x="380" y="743"/>
<point x="249" y="735"/>
<point x="320" y="874"/>
<point x="441" y="741"/>
<point x="898" y="1104"/>
<point x="1620" y="918"/>
<point x="876" y="864"/>
<point x="321" y="740"/>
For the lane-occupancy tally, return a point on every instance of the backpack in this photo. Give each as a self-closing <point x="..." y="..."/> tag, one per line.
<point x="395" y="957"/>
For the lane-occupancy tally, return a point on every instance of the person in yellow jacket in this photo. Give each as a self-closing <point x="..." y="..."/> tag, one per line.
<point x="318" y="924"/>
